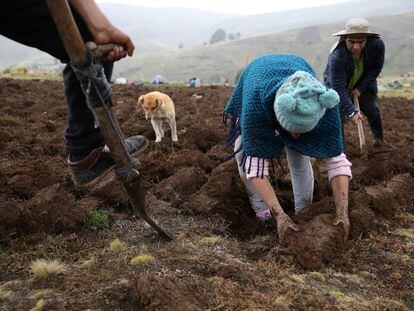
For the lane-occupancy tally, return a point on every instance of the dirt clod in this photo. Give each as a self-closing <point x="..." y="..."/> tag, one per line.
<point x="361" y="219"/>
<point x="318" y="242"/>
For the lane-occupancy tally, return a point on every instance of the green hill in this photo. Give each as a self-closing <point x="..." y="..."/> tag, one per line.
<point x="220" y="62"/>
<point x="254" y="25"/>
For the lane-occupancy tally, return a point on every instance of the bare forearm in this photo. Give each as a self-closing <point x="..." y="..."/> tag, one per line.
<point x="102" y="30"/>
<point x="267" y="194"/>
<point x="94" y="18"/>
<point x="340" y="188"/>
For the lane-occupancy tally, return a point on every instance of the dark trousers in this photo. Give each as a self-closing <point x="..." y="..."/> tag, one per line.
<point x="29" y="22"/>
<point x="369" y="107"/>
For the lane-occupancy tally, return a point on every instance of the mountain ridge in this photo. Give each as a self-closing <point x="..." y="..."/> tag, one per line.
<point x="158" y="34"/>
<point x="221" y="62"/>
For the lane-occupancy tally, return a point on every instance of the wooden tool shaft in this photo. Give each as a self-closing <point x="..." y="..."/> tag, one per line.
<point x="362" y="144"/>
<point x="78" y="54"/>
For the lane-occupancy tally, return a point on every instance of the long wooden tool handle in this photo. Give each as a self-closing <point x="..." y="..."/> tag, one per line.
<point x="68" y="31"/>
<point x="78" y="54"/>
<point x="362" y="144"/>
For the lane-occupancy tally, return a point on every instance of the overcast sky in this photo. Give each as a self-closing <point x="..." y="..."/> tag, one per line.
<point x="232" y="6"/>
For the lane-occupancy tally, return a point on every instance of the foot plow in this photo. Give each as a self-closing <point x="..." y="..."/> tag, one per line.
<point x="89" y="71"/>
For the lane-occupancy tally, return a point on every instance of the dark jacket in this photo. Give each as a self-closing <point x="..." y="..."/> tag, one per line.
<point x="340" y="68"/>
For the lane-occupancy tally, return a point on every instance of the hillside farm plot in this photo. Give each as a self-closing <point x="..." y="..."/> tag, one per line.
<point x="66" y="249"/>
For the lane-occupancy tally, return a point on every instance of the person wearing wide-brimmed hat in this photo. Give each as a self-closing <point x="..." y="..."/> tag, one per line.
<point x="354" y="63"/>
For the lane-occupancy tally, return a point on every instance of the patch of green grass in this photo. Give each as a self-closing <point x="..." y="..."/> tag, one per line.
<point x="96" y="218"/>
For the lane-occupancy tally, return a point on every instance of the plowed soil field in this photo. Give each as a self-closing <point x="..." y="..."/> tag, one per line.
<point x="221" y="257"/>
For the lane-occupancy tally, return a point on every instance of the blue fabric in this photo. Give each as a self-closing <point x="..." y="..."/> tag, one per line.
<point x="340" y="68"/>
<point x="251" y="108"/>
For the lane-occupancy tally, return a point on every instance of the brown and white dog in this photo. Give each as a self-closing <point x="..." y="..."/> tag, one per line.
<point x="159" y="107"/>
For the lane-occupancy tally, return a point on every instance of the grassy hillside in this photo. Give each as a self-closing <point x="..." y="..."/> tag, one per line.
<point x="11" y="53"/>
<point x="152" y="30"/>
<point x="158" y="32"/>
<point x="160" y="29"/>
<point x="165" y="29"/>
<point x="255" y="25"/>
<point x="219" y="62"/>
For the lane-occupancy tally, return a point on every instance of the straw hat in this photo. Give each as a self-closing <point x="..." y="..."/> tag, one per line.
<point x="356" y="26"/>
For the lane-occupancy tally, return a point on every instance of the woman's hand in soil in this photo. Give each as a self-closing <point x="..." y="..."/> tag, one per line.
<point x="284" y="224"/>
<point x="342" y="218"/>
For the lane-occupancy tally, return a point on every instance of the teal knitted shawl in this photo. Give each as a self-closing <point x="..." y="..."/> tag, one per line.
<point x="252" y="115"/>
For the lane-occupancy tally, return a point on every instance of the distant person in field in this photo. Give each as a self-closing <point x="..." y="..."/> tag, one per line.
<point x="29" y="22"/>
<point x="278" y="103"/>
<point x="354" y="63"/>
<point x="159" y="79"/>
<point x="192" y="82"/>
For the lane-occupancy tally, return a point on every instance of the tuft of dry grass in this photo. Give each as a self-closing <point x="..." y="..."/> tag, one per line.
<point x="336" y="293"/>
<point x="141" y="259"/>
<point x="24" y="73"/>
<point x="5" y="294"/>
<point x="39" y="294"/>
<point x="117" y="246"/>
<point x="39" y="305"/>
<point x="316" y="276"/>
<point x="44" y="268"/>
<point x="297" y="278"/>
<point x="188" y="244"/>
<point x="405" y="233"/>
<point x="282" y="301"/>
<point x="123" y="281"/>
<point x="209" y="240"/>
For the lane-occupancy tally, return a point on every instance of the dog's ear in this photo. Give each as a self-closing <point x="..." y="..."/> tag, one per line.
<point x="140" y="100"/>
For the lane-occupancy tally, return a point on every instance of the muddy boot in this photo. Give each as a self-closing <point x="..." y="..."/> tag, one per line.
<point x="382" y="145"/>
<point x="97" y="164"/>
